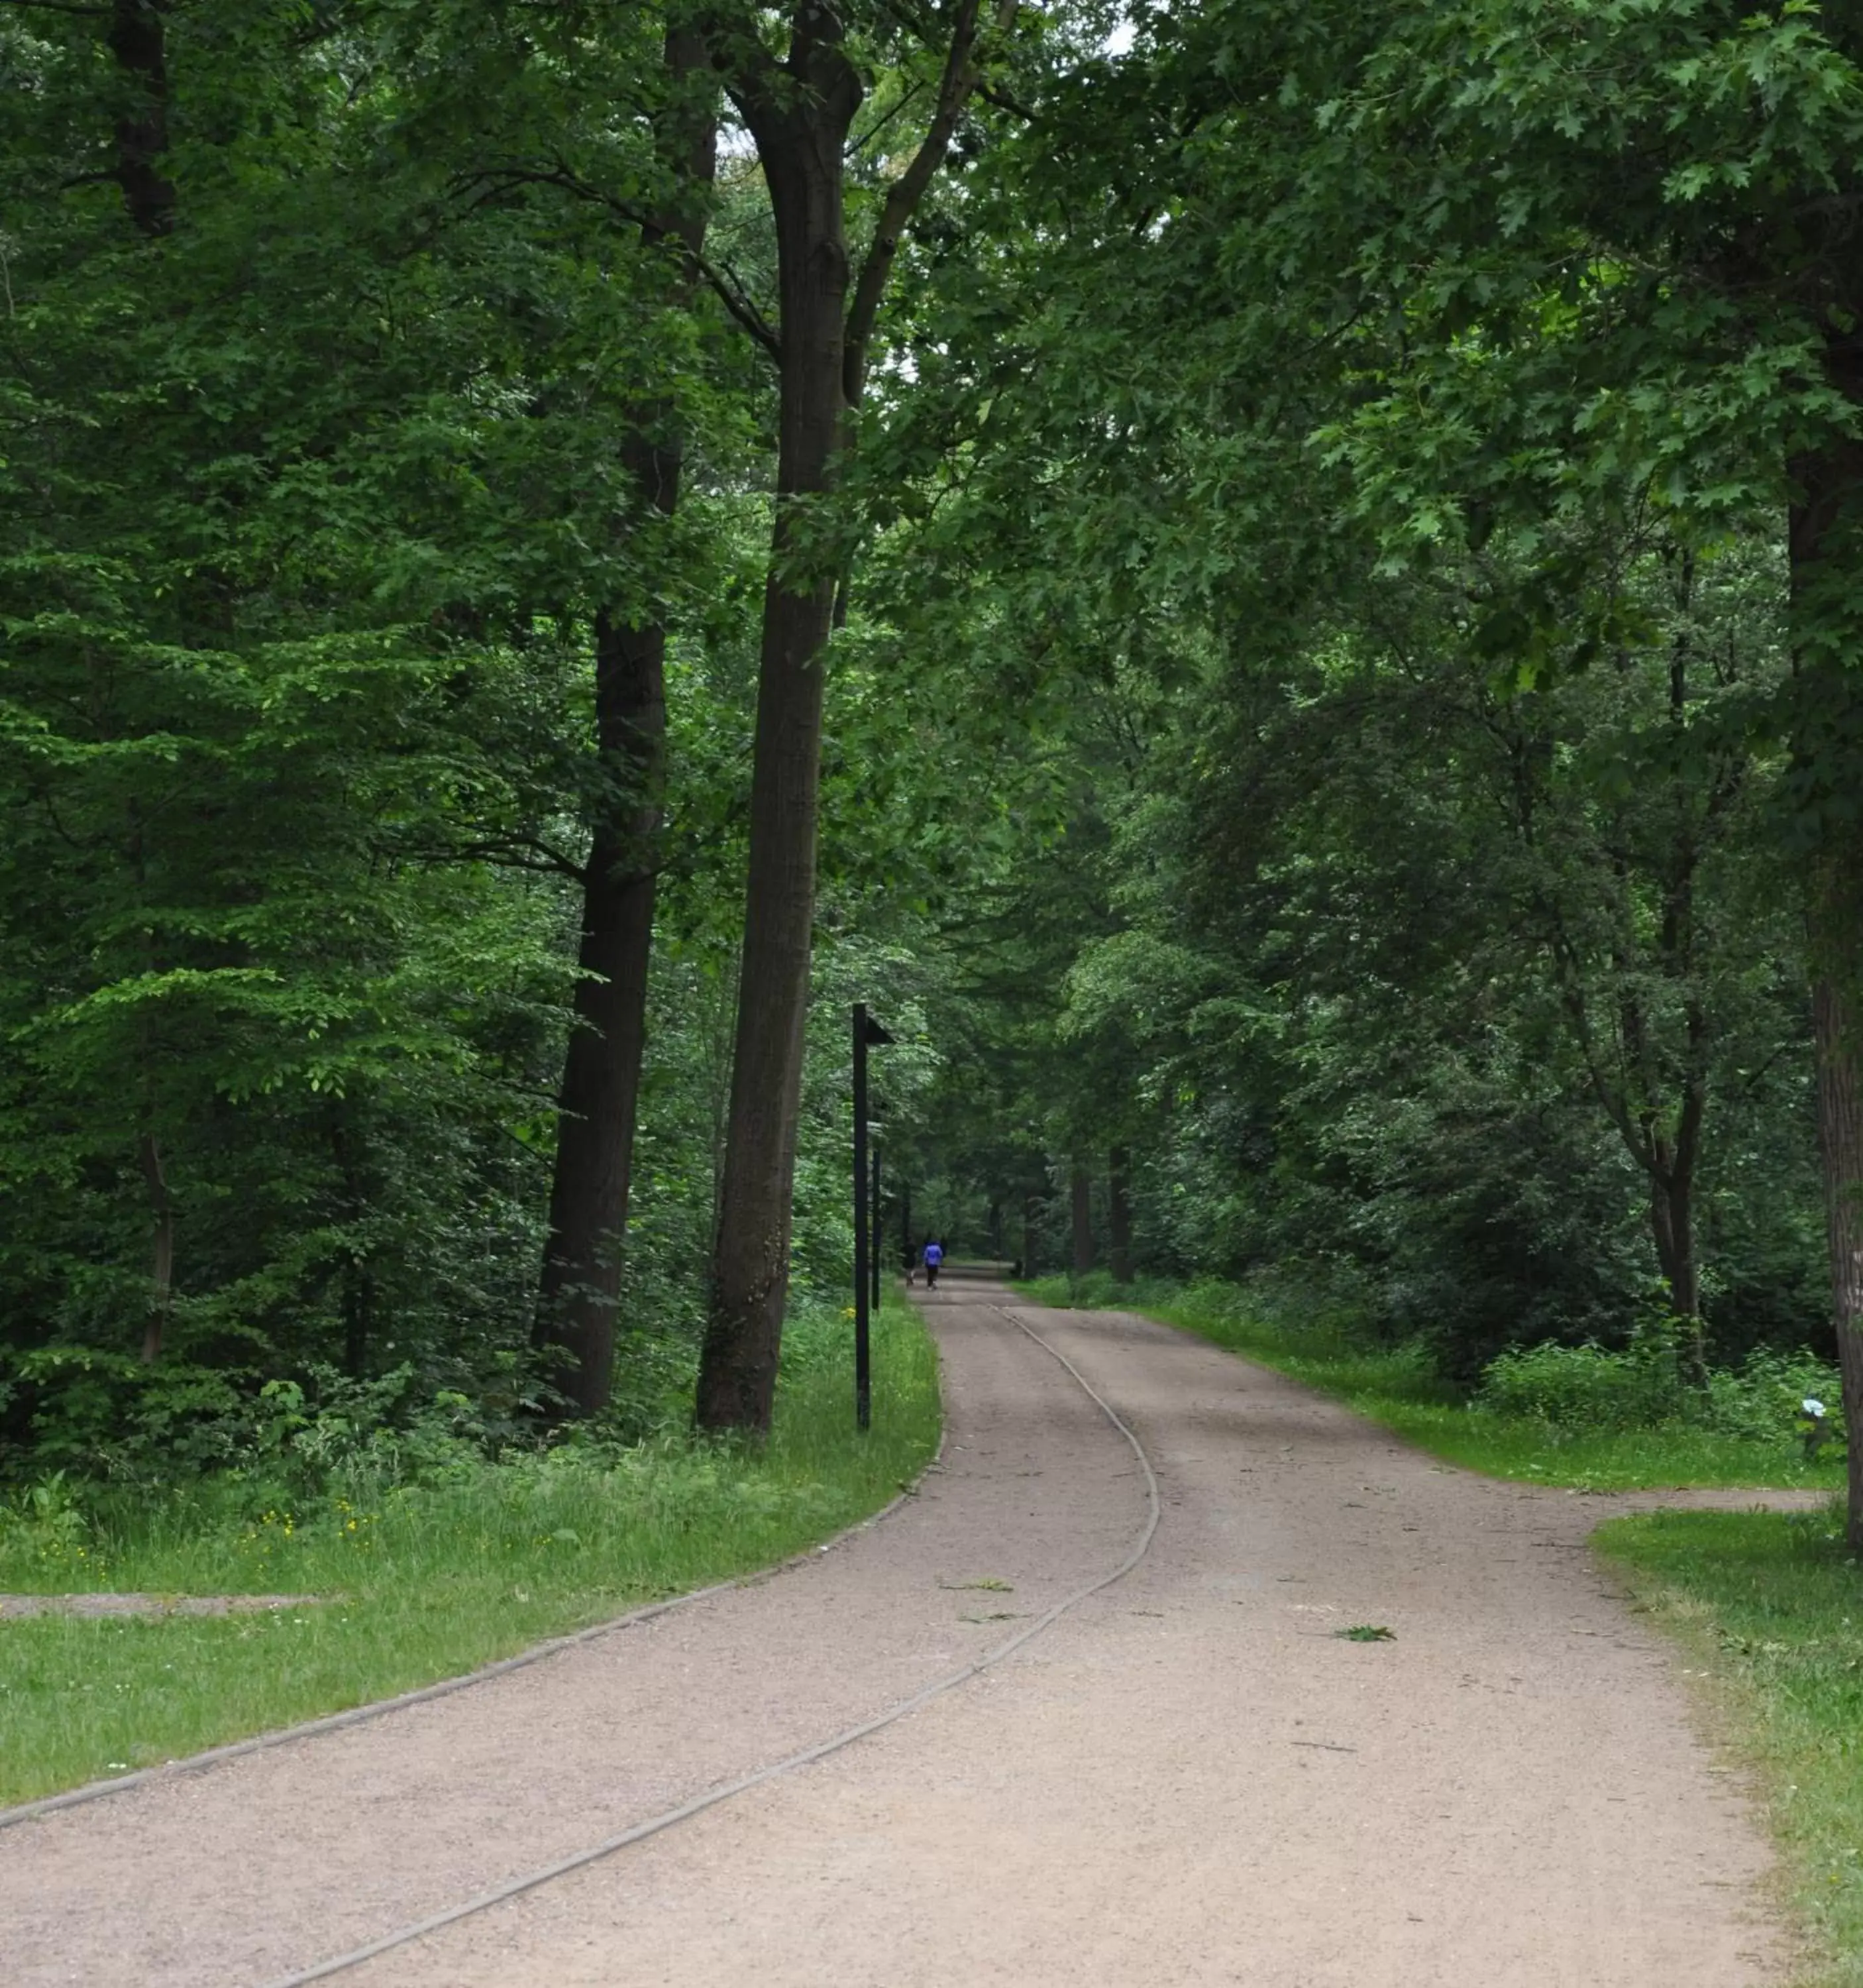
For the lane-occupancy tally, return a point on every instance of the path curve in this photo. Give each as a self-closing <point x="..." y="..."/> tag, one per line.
<point x="1188" y="1779"/>
<point x="822" y="1750"/>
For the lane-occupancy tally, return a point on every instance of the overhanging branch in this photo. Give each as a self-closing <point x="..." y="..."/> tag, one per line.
<point x="719" y="277"/>
<point x="962" y="73"/>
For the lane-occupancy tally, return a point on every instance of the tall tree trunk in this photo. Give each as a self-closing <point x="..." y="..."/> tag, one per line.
<point x="1672" y="1222"/>
<point x="599" y="1099"/>
<point x="138" y="39"/>
<point x="161" y="1249"/>
<point x="1826" y="546"/>
<point x="601" y="1082"/>
<point x="1839" y="1128"/>
<point x="358" y="1315"/>
<point x="1119" y="1214"/>
<point x="1672" y="1174"/>
<point x="1651" y="1075"/>
<point x="348" y="1146"/>
<point x="137" y="36"/>
<point x="799" y="112"/>
<point x="1080" y="1192"/>
<point x="801" y="134"/>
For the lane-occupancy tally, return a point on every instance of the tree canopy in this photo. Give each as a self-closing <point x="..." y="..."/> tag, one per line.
<point x="1279" y="589"/>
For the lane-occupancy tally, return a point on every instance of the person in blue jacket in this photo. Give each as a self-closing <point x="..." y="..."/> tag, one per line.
<point x="934" y="1255"/>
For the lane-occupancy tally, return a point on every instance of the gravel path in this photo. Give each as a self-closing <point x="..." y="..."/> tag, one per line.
<point x="1188" y="1778"/>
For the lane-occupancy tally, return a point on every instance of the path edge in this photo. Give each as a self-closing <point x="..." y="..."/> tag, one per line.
<point x="822" y="1750"/>
<point x="1759" y="1495"/>
<point x="380" y="1707"/>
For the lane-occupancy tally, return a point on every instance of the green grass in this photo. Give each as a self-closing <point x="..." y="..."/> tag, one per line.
<point x="1394" y="1386"/>
<point x="1771" y="1608"/>
<point x="434" y="1578"/>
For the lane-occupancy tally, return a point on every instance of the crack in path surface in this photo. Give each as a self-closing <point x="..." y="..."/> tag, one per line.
<point x="1188" y="1779"/>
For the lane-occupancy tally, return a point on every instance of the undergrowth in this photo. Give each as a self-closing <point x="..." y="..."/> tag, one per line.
<point x="427" y="1559"/>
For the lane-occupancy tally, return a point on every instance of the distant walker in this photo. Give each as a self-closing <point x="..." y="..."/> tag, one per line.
<point x="934" y="1255"/>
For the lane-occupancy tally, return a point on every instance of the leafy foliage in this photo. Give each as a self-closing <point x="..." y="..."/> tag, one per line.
<point x="1329" y="703"/>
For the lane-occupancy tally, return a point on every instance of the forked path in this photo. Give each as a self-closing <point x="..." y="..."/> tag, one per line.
<point x="1188" y="1777"/>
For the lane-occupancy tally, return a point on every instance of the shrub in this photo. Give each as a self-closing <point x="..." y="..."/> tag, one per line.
<point x="1584" y="1387"/>
<point x="1763" y="1398"/>
<point x="1588" y="1388"/>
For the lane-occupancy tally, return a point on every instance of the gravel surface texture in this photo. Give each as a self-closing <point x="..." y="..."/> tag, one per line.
<point x="1191" y="1778"/>
<point x="154" y="1605"/>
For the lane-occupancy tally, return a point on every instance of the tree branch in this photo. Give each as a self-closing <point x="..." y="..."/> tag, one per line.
<point x="506" y="852"/>
<point x="719" y="277"/>
<point x="1572" y="998"/>
<point x="962" y="72"/>
<point x="857" y="145"/>
<point x="993" y="93"/>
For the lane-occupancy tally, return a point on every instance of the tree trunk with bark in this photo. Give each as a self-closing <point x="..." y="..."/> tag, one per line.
<point x="161" y="1249"/>
<point x="1119" y="1214"/>
<point x="801" y="133"/>
<point x="138" y="39"/>
<point x="1672" y="1222"/>
<point x="597" y="1104"/>
<point x="1659" y="1100"/>
<point x="1839" y="1129"/>
<point x="1080" y="1195"/>
<point x="1826" y="543"/>
<point x="799" y="112"/>
<point x="601" y="1082"/>
<point x="137" y="36"/>
<point x="355" y="1188"/>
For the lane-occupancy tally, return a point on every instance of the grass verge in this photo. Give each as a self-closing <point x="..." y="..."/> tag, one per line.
<point x="1395" y="1387"/>
<point x="427" y="1581"/>
<point x="1770" y="1607"/>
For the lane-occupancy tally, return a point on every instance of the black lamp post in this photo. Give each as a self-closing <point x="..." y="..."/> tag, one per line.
<point x="868" y="1033"/>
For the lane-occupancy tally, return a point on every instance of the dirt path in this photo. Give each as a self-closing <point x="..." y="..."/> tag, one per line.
<point x="1188" y="1778"/>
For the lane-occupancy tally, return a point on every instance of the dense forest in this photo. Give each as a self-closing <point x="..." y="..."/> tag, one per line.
<point x="1277" y="588"/>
